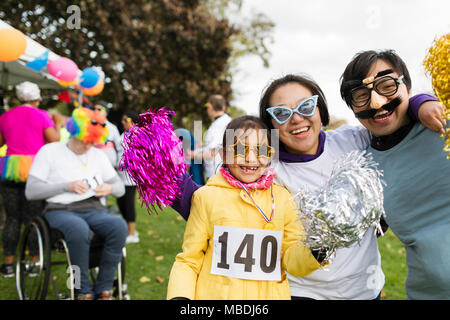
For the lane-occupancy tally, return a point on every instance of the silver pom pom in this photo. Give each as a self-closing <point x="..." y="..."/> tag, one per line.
<point x="341" y="212"/>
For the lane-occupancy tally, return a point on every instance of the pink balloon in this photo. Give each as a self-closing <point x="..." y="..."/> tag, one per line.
<point x="63" y="69"/>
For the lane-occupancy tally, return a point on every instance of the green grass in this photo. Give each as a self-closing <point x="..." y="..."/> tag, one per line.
<point x="149" y="262"/>
<point x="393" y="262"/>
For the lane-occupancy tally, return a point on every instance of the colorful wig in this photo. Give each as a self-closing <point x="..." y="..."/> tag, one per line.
<point x="87" y="125"/>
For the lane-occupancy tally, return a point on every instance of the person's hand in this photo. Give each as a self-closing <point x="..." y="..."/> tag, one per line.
<point x="78" y="186"/>
<point x="103" y="190"/>
<point x="431" y="116"/>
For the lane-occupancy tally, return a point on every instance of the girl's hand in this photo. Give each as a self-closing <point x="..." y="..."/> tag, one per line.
<point x="431" y="116"/>
<point x="103" y="190"/>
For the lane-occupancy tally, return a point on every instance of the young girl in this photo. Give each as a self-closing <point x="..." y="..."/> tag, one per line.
<point x="243" y="232"/>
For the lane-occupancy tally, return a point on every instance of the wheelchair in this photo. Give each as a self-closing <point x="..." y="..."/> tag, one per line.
<point x="52" y="266"/>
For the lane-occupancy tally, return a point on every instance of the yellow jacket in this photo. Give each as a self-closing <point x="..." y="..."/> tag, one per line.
<point x="218" y="203"/>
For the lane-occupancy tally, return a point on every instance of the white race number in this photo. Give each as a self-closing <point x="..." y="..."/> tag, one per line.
<point x="244" y="253"/>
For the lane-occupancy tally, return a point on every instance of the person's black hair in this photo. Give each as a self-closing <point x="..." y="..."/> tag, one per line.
<point x="133" y="115"/>
<point x="107" y="105"/>
<point x="360" y="65"/>
<point x="303" y="80"/>
<point x="218" y="102"/>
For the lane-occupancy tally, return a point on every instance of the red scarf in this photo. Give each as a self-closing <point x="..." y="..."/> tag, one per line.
<point x="264" y="182"/>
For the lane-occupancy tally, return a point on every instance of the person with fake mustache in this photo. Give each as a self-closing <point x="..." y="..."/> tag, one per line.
<point x="376" y="85"/>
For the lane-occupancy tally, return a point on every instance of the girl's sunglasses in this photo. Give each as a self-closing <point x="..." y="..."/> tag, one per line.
<point x="95" y="122"/>
<point x="306" y="108"/>
<point x="242" y="150"/>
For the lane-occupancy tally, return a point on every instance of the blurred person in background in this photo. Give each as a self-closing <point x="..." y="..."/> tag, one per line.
<point x="216" y="108"/>
<point x="112" y="144"/>
<point x="127" y="202"/>
<point x="24" y="129"/>
<point x="74" y="179"/>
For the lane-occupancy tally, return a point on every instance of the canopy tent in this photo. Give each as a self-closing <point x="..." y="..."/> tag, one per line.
<point x="14" y="72"/>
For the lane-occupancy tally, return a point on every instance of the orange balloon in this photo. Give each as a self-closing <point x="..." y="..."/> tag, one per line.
<point x="69" y="83"/>
<point x="95" y="90"/>
<point x="12" y="44"/>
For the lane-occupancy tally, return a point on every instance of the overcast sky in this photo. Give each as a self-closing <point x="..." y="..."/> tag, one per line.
<point x="320" y="38"/>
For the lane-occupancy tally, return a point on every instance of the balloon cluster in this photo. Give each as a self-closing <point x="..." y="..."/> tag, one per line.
<point x="13" y="44"/>
<point x="437" y="65"/>
<point x="66" y="71"/>
<point x="340" y="213"/>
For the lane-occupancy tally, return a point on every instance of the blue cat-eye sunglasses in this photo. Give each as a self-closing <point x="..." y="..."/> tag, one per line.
<point x="306" y="108"/>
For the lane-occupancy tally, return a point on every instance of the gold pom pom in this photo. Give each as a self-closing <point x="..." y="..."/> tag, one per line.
<point x="437" y="65"/>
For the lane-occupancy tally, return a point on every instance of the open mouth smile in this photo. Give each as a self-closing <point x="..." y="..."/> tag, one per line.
<point x="301" y="132"/>
<point x="382" y="116"/>
<point x="249" y="169"/>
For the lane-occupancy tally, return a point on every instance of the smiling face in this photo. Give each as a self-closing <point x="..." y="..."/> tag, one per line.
<point x="300" y="134"/>
<point x="250" y="167"/>
<point x="385" y="122"/>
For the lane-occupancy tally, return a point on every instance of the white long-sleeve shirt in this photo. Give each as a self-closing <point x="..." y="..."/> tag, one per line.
<point x="213" y="141"/>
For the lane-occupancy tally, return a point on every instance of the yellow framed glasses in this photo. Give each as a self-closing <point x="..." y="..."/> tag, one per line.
<point x="242" y="150"/>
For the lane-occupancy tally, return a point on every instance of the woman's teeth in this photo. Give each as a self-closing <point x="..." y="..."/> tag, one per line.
<point x="300" y="130"/>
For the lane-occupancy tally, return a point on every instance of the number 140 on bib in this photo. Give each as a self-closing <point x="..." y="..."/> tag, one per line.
<point x="244" y="253"/>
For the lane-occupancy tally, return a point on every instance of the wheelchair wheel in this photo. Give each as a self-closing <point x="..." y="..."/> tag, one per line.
<point x="119" y="286"/>
<point x="63" y="276"/>
<point x="33" y="264"/>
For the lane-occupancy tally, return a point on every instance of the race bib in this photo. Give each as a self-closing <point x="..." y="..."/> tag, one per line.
<point x="93" y="181"/>
<point x="252" y="254"/>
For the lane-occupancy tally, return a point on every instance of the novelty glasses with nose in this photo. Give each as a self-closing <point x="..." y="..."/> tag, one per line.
<point x="306" y="108"/>
<point x="241" y="149"/>
<point x="385" y="86"/>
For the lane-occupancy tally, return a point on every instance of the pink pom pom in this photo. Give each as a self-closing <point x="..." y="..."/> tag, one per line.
<point x="153" y="158"/>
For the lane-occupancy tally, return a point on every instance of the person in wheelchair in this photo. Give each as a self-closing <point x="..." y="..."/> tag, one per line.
<point x="74" y="179"/>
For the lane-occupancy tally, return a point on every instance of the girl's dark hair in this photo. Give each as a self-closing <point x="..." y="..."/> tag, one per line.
<point x="303" y="80"/>
<point x="360" y="65"/>
<point x="244" y="123"/>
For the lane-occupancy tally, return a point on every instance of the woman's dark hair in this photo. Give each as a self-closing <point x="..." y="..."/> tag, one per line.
<point x="302" y="80"/>
<point x="244" y="123"/>
<point x="360" y="65"/>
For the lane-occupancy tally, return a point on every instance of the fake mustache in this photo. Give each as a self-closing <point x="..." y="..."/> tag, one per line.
<point x="370" y="113"/>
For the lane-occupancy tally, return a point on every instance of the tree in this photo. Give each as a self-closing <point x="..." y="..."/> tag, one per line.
<point x="172" y="53"/>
